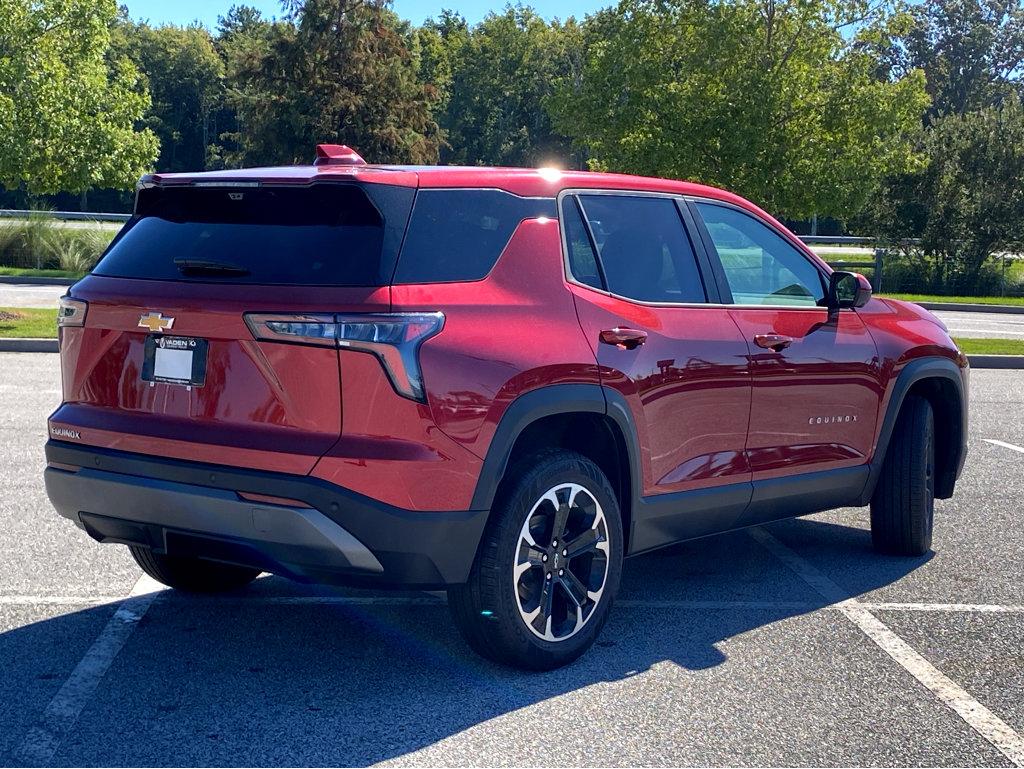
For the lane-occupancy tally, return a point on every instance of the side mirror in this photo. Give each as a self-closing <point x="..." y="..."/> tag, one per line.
<point x="847" y="289"/>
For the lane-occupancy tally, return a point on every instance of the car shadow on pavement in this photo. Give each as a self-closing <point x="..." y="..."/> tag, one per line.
<point x="273" y="677"/>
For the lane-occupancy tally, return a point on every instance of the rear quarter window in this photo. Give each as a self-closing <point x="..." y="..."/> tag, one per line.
<point x="458" y="234"/>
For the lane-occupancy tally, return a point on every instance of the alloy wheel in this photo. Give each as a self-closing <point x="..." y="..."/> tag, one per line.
<point x="561" y="562"/>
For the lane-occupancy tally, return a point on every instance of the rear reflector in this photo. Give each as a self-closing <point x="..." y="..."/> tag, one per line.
<point x="267" y="499"/>
<point x="62" y="466"/>
<point x="393" y="338"/>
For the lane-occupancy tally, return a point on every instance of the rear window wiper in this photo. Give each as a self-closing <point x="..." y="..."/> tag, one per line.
<point x="208" y="267"/>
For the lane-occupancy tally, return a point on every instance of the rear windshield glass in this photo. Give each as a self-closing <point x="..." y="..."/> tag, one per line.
<point x="458" y="234"/>
<point x="324" y="234"/>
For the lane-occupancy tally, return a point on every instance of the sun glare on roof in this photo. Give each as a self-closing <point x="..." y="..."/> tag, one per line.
<point x="549" y="174"/>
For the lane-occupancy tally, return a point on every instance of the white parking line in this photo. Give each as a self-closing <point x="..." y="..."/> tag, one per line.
<point x="57" y="600"/>
<point x="966" y="608"/>
<point x="982" y="720"/>
<point x="1004" y="444"/>
<point x="42" y="740"/>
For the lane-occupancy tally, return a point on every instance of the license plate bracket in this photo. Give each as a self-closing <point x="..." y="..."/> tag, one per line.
<point x="178" y="360"/>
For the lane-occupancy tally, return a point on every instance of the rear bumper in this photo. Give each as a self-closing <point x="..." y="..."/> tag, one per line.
<point x="192" y="508"/>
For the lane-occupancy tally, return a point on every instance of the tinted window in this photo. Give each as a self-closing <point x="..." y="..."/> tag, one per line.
<point x="582" y="261"/>
<point x="318" y="235"/>
<point x="644" y="250"/>
<point x="458" y="235"/>
<point x="760" y="265"/>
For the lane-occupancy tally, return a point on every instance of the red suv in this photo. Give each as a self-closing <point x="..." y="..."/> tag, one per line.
<point x="497" y="382"/>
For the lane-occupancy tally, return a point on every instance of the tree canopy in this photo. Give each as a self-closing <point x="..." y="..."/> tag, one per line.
<point x="334" y="71"/>
<point x="185" y="76"/>
<point x="971" y="51"/>
<point x="764" y="97"/>
<point x="493" y="81"/>
<point x="68" y="110"/>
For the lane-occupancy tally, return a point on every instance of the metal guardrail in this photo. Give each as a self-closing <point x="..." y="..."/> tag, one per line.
<point x="876" y="264"/>
<point x="835" y="240"/>
<point x="81" y="216"/>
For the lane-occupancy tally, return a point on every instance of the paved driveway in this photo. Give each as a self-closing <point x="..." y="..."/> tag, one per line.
<point x="791" y="645"/>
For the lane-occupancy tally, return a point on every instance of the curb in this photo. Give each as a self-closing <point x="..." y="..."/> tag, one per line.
<point x="996" y="361"/>
<point x="31" y="281"/>
<point x="28" y="345"/>
<point x="1010" y="309"/>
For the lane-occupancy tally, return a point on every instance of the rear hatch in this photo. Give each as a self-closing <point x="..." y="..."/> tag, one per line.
<point x="165" y="360"/>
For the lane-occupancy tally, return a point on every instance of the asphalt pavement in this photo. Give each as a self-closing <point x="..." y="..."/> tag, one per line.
<point x="983" y="325"/>
<point x="790" y="645"/>
<point x="28" y="295"/>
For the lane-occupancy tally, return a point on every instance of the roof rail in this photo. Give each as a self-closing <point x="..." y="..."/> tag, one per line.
<point x="337" y="155"/>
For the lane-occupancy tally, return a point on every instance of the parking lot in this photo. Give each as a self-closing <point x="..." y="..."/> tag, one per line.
<point x="789" y="645"/>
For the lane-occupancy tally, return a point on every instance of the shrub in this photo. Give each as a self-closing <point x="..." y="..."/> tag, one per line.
<point x="42" y="243"/>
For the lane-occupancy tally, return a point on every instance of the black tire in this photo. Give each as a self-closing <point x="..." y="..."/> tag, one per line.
<point x="489" y="609"/>
<point x="903" y="504"/>
<point x="193" y="575"/>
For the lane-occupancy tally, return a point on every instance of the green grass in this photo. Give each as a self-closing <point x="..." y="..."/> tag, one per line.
<point x="991" y="346"/>
<point x="22" y="323"/>
<point x="1014" y="300"/>
<point x="23" y="272"/>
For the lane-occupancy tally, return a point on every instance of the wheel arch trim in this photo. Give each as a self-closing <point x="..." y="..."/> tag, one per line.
<point x="916" y="371"/>
<point x="548" y="401"/>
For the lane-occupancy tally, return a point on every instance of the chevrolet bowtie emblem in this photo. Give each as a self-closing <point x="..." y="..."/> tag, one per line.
<point x="154" y="321"/>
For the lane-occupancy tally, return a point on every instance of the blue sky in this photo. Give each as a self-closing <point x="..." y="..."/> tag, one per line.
<point x="185" y="11"/>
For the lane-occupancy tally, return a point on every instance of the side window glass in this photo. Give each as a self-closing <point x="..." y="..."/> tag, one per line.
<point x="582" y="260"/>
<point x="458" y="234"/>
<point x="760" y="266"/>
<point x="644" y="249"/>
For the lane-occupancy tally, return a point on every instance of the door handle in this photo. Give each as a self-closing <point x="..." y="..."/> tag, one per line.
<point x="624" y="338"/>
<point x="776" y="342"/>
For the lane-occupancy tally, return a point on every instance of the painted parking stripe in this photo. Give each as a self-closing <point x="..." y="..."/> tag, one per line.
<point x="57" y="600"/>
<point x="962" y="608"/>
<point x="1004" y="444"/>
<point x="42" y="740"/>
<point x="982" y="720"/>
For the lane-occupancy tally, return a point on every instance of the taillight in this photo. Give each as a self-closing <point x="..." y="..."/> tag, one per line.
<point x="71" y="312"/>
<point x="297" y="329"/>
<point x="394" y="338"/>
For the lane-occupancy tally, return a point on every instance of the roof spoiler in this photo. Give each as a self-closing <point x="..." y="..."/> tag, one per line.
<point x="337" y="155"/>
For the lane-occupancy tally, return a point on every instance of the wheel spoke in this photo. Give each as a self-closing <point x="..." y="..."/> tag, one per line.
<point x="575" y="589"/>
<point x="561" y="518"/>
<point x="547" y="596"/>
<point x="534" y="559"/>
<point x="584" y="543"/>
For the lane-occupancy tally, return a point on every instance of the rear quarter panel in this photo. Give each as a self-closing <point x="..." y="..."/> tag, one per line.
<point x="506" y="335"/>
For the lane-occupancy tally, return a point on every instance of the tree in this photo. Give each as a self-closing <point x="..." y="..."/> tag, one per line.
<point x="494" y="84"/>
<point x="765" y="97"/>
<point x="970" y="50"/>
<point x="335" y="71"/>
<point x="436" y="47"/>
<point x="185" y="75"/>
<point x="968" y="203"/>
<point x="68" y="113"/>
